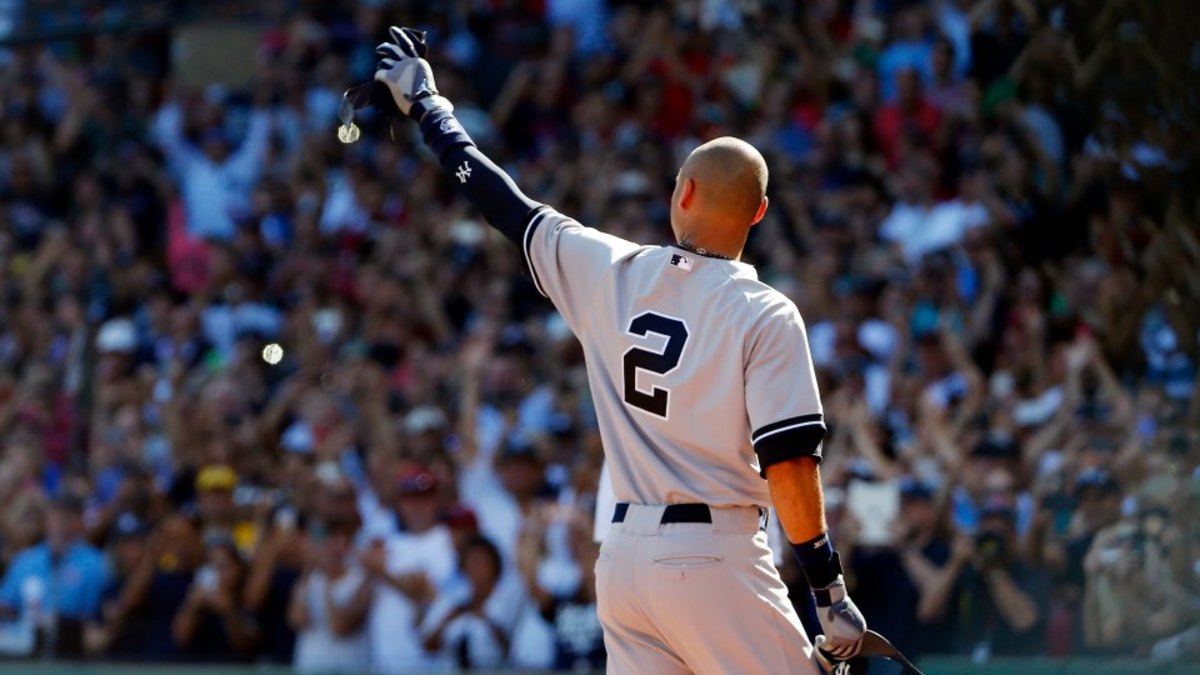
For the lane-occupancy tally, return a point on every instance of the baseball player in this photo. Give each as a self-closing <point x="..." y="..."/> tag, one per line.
<point x="703" y="387"/>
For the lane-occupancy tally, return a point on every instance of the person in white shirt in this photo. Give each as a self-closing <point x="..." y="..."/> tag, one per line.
<point x="329" y="606"/>
<point x="920" y="225"/>
<point x="405" y="570"/>
<point x="215" y="180"/>
<point x="470" y="623"/>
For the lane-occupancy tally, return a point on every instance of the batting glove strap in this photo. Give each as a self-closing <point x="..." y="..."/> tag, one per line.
<point x="822" y="565"/>
<point x="828" y="595"/>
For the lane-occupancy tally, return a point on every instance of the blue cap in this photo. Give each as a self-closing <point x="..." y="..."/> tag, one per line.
<point x="913" y="489"/>
<point x="1097" y="479"/>
<point x="128" y="526"/>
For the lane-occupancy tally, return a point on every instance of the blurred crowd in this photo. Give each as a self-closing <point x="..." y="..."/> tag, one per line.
<point x="265" y="397"/>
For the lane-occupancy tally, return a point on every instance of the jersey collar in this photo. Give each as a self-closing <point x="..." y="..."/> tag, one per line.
<point x="743" y="269"/>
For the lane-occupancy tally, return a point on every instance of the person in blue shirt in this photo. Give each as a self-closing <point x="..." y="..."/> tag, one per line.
<point x="910" y="49"/>
<point x="64" y="575"/>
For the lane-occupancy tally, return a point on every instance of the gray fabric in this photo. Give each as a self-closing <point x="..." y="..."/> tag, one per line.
<point x="744" y="365"/>
<point x="696" y="598"/>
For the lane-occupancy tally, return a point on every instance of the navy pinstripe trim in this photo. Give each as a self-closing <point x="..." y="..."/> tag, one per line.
<point x="533" y="223"/>
<point x="787" y="424"/>
<point x="788" y="439"/>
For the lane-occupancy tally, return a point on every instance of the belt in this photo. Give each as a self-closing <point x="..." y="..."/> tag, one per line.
<point x="684" y="513"/>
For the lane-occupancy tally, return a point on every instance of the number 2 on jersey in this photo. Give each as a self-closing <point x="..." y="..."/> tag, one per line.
<point x="659" y="363"/>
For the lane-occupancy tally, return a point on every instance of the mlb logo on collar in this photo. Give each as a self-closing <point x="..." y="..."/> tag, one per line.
<point x="681" y="261"/>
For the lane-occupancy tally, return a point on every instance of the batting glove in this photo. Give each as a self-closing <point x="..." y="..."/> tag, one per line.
<point x="842" y="624"/>
<point x="407" y="74"/>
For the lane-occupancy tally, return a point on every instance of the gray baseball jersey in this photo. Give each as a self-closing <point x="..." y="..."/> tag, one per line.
<point x="700" y="372"/>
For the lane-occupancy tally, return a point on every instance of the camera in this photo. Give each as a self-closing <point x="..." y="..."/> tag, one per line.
<point x="1179" y="445"/>
<point x="990" y="546"/>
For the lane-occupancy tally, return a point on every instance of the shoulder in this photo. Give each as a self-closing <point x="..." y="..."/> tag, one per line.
<point x="88" y="555"/>
<point x="28" y="557"/>
<point x="767" y="305"/>
<point x="511" y="588"/>
<point x="456" y="591"/>
<point x="396" y="542"/>
<point x="445" y="541"/>
<point x="550" y="223"/>
<point x="434" y="539"/>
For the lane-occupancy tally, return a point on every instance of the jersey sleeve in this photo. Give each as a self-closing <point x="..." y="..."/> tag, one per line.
<point x="567" y="260"/>
<point x="782" y="400"/>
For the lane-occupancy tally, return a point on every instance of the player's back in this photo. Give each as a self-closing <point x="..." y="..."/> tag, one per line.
<point x="681" y="353"/>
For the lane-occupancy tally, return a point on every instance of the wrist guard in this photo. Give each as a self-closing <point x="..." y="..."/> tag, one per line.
<point x="822" y="565"/>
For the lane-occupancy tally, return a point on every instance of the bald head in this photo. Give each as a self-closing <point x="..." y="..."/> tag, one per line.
<point x="730" y="177"/>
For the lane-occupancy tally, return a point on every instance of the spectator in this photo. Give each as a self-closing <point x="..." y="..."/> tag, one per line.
<point x="130" y="500"/>
<point x="406" y="570"/>
<point x="215" y="505"/>
<point x="914" y="207"/>
<point x="907" y="610"/>
<point x="998" y="31"/>
<point x="157" y="588"/>
<point x="990" y="479"/>
<point x="57" y="585"/>
<point x="469" y="626"/>
<point x="579" y="639"/>
<point x="1132" y="598"/>
<point x="1065" y="528"/>
<point x="215" y="181"/>
<point x="24" y="523"/>
<point x="982" y="210"/>
<point x="103" y="635"/>
<point x="947" y="90"/>
<point x="908" y="54"/>
<point x="211" y="625"/>
<point x="997" y="593"/>
<point x="273" y="573"/>
<point x="329" y="605"/>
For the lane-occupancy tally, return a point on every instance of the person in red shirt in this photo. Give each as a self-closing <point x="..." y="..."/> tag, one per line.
<point x="911" y="117"/>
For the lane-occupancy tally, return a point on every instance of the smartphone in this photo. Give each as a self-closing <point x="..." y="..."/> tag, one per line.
<point x="206" y="578"/>
<point x="285" y="518"/>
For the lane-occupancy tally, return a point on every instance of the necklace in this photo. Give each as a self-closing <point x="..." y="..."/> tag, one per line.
<point x="688" y="246"/>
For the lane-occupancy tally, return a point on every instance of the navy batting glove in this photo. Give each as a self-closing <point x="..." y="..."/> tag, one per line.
<point x="842" y="624"/>
<point x="407" y="75"/>
<point x="405" y="43"/>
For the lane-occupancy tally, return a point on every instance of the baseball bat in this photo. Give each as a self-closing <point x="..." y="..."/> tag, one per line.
<point x="873" y="644"/>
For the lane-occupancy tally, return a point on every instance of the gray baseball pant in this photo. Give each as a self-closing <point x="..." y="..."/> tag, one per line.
<point x="699" y="598"/>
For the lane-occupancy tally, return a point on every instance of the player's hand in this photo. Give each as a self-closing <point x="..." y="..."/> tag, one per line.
<point x="842" y="625"/>
<point x="407" y="75"/>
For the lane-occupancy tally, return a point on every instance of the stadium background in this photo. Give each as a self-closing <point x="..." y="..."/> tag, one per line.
<point x="985" y="209"/>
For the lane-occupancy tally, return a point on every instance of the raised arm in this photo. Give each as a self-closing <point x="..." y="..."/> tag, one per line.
<point x="167" y="131"/>
<point x="247" y="162"/>
<point x="486" y="186"/>
<point x="566" y="260"/>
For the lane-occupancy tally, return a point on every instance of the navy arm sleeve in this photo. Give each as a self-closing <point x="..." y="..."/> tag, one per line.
<point x="485" y="185"/>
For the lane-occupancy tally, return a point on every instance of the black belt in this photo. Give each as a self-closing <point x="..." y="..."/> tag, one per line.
<point x="684" y="513"/>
